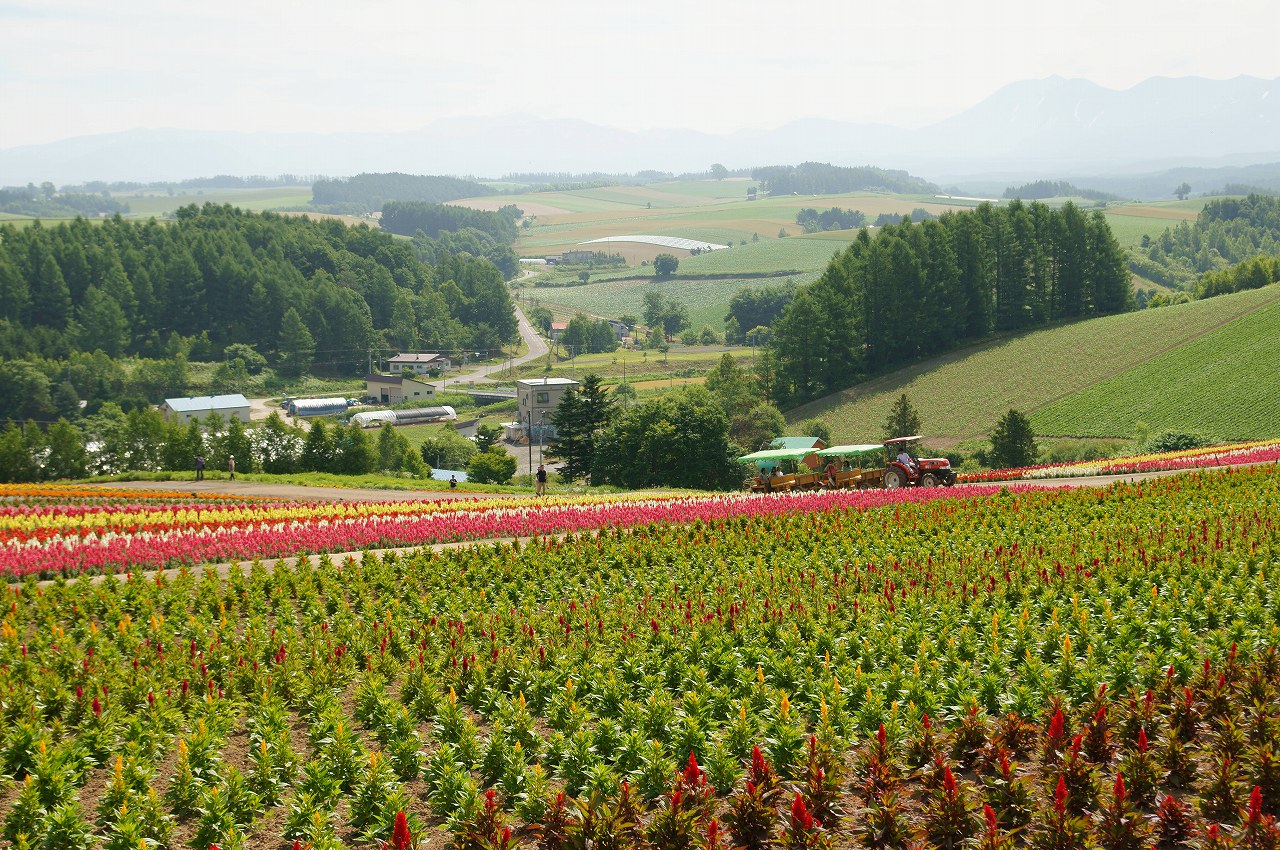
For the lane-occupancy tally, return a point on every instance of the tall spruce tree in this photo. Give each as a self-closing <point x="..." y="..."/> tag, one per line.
<point x="579" y="418"/>
<point x="1013" y="442"/>
<point x="903" y="420"/>
<point x="297" y="345"/>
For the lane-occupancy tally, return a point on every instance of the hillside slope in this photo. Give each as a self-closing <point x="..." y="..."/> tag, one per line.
<point x="962" y="394"/>
<point x="1221" y="384"/>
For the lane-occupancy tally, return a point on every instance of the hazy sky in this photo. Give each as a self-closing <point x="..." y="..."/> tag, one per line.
<point x="75" y="67"/>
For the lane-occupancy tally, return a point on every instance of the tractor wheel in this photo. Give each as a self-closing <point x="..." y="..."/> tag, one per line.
<point x="928" y="480"/>
<point x="892" y="479"/>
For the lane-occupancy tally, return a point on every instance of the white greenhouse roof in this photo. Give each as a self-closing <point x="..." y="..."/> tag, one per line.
<point x="664" y="241"/>
<point x="206" y="402"/>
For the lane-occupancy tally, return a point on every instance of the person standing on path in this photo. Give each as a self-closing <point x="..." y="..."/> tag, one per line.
<point x="199" y="467"/>
<point x="541" y="479"/>
<point x="231" y="466"/>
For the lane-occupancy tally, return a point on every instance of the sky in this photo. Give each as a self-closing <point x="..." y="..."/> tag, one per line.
<point x="80" y="67"/>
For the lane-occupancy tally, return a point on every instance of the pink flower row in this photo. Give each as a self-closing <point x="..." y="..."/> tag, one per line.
<point x="1264" y="454"/>
<point x="212" y="544"/>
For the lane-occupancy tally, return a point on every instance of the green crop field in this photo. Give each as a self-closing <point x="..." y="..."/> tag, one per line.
<point x="155" y="204"/>
<point x="961" y="395"/>
<point x="1219" y="384"/>
<point x="680" y="362"/>
<point x="1131" y="222"/>
<point x="717" y="211"/>
<point x="706" y="300"/>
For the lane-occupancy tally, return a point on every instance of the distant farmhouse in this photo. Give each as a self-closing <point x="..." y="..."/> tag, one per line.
<point x="184" y="410"/>
<point x="419" y="363"/>
<point x="395" y="389"/>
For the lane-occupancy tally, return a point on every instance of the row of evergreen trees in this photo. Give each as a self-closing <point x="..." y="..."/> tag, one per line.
<point x="916" y="290"/>
<point x="125" y="287"/>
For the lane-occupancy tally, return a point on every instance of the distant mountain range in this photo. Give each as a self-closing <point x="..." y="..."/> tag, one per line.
<point x="1050" y="128"/>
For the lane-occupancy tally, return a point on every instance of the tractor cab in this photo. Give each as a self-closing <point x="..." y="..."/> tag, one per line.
<point x="903" y="469"/>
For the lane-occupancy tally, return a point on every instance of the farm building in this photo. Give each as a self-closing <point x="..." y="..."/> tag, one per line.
<point x="419" y="363"/>
<point x="557" y="329"/>
<point x="395" y="389"/>
<point x="183" y="410"/>
<point x="305" y="407"/>
<point x="538" y="399"/>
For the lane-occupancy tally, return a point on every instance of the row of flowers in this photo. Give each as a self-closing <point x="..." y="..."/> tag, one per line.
<point x="41" y="521"/>
<point x="1233" y="454"/>
<point x="140" y="546"/>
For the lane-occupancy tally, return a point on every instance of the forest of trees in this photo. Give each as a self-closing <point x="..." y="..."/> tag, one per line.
<point x="819" y="178"/>
<point x="44" y="201"/>
<point x="468" y="240"/>
<point x="835" y="218"/>
<point x="368" y="192"/>
<point x="915" y="290"/>
<point x="1042" y="189"/>
<point x="1227" y="232"/>
<point x="752" y="308"/>
<point x="220" y="276"/>
<point x="406" y="218"/>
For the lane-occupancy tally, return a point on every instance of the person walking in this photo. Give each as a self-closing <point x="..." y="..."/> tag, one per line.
<point x="541" y="479"/>
<point x="199" y="467"/>
<point x="231" y="467"/>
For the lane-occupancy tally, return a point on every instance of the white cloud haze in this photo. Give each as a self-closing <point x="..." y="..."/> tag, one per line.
<point x="74" y="67"/>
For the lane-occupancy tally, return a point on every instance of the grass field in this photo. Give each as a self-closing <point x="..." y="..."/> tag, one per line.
<point x="1223" y="387"/>
<point x="156" y="204"/>
<point x="1131" y="222"/>
<point x="961" y="395"/>
<point x="638" y="366"/>
<point x="706" y="300"/>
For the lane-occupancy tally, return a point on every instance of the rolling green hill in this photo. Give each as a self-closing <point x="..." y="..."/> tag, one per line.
<point x="1221" y="385"/>
<point x="1172" y="352"/>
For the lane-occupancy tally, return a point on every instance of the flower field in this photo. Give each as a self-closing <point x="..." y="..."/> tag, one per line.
<point x="1234" y="454"/>
<point x="1042" y="668"/>
<point x="126" y="530"/>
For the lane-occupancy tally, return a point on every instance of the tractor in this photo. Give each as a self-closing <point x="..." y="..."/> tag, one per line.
<point x="921" y="472"/>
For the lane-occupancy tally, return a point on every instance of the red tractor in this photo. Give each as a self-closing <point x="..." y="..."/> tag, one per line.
<point x="911" y="471"/>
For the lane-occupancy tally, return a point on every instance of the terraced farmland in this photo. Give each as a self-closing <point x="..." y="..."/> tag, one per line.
<point x="1220" y="384"/>
<point x="962" y="394"/>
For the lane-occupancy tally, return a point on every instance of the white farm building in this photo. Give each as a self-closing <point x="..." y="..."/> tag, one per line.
<point x="183" y="410"/>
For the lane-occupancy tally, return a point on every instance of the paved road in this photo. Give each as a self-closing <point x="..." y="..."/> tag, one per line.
<point x="480" y="373"/>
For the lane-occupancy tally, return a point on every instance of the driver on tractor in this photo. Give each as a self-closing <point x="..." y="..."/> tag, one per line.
<point x="905" y="458"/>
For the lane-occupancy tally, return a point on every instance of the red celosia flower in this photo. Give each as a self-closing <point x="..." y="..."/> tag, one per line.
<point x="692" y="773"/>
<point x="948" y="782"/>
<point x="1060" y="796"/>
<point x="799" y="814"/>
<point x="990" y="815"/>
<point x="1119" y="791"/>
<point x="400" y="837"/>
<point x="1255" y="800"/>
<point x="1142" y="740"/>
<point x="1056" y="727"/>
